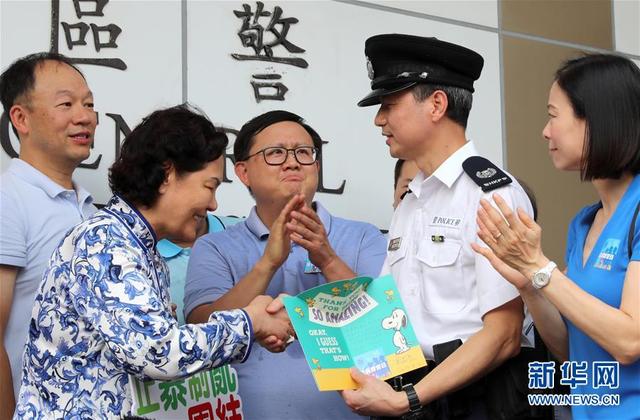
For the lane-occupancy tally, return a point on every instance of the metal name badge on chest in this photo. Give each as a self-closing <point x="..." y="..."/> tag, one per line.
<point x="394" y="244"/>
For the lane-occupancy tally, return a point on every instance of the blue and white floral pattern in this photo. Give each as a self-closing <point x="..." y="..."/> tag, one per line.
<point x="102" y="312"/>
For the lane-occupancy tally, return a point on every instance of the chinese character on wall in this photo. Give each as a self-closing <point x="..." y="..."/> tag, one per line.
<point x="84" y="39"/>
<point x="262" y="40"/>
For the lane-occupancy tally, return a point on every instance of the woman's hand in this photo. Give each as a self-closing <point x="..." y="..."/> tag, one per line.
<point x="271" y="324"/>
<point x="514" y="241"/>
<point x="513" y="276"/>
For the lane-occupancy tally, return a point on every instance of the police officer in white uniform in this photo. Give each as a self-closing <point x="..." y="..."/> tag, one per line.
<point x="456" y="301"/>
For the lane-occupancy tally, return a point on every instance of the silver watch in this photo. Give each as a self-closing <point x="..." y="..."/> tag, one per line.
<point x="541" y="277"/>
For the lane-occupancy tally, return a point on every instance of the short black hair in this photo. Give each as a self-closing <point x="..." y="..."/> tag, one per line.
<point x="246" y="135"/>
<point x="459" y="100"/>
<point x="20" y="77"/>
<point x="604" y="91"/>
<point x="396" y="172"/>
<point x="181" y="136"/>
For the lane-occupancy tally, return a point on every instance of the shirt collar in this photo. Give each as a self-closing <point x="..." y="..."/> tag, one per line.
<point x="83" y="195"/>
<point x="260" y="231"/>
<point x="169" y="249"/>
<point x="31" y="175"/>
<point x="448" y="171"/>
<point x="214" y="224"/>
<point x="134" y="220"/>
<point x="256" y="226"/>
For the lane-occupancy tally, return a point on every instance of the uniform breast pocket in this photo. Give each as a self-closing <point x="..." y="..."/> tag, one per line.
<point x="443" y="289"/>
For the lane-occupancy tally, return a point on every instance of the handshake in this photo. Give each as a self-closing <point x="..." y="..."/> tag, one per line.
<point x="271" y="325"/>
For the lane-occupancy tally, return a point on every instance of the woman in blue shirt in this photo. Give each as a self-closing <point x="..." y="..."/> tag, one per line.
<point x="588" y="314"/>
<point x="103" y="310"/>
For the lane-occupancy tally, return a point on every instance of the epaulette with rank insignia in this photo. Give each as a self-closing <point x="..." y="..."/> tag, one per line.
<point x="484" y="173"/>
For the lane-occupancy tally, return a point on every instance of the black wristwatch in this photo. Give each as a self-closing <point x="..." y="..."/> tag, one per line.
<point x="414" y="402"/>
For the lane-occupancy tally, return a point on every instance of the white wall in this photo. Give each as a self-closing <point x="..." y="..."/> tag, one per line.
<point x="626" y="17"/>
<point x="332" y="33"/>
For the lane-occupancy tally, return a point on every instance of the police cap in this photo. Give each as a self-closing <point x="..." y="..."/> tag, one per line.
<point x="396" y="62"/>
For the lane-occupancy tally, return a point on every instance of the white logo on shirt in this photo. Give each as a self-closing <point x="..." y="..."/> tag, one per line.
<point x="451" y="222"/>
<point x="487" y="173"/>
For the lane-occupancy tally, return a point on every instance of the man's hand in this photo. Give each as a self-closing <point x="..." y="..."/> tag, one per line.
<point x="308" y="231"/>
<point x="272" y="330"/>
<point x="277" y="309"/>
<point x="279" y="244"/>
<point x="374" y="397"/>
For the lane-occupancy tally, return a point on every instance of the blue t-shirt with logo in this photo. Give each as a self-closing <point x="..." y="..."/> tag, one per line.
<point x="603" y="276"/>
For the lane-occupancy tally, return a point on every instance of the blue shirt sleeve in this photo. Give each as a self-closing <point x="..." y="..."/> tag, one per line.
<point x="209" y="275"/>
<point x="372" y="252"/>
<point x="13" y="240"/>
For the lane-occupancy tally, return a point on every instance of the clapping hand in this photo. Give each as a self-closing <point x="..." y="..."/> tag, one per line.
<point x="279" y="243"/>
<point x="513" y="240"/>
<point x="308" y="231"/>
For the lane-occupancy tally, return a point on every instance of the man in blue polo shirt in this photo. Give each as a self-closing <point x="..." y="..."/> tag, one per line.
<point x="176" y="255"/>
<point x="288" y="244"/>
<point x="51" y="111"/>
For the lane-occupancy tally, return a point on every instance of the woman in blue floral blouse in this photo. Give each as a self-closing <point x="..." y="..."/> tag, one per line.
<point x="103" y="313"/>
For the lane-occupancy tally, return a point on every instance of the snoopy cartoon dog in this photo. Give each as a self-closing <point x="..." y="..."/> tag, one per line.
<point x="396" y="321"/>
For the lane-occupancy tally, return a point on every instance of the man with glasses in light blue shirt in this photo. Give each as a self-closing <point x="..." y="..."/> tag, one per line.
<point x="51" y="111"/>
<point x="288" y="244"/>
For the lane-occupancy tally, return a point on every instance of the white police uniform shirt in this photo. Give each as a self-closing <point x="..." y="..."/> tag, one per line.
<point x="445" y="286"/>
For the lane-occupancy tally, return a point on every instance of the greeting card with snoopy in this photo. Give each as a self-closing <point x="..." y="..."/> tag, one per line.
<point x="360" y="323"/>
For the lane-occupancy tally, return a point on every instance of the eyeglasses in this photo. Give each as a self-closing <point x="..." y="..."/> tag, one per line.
<point x="305" y="155"/>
